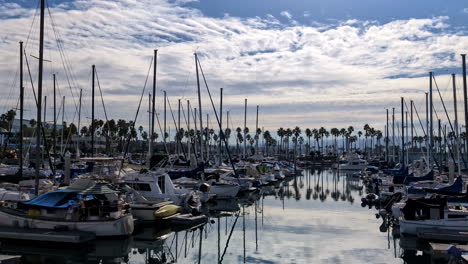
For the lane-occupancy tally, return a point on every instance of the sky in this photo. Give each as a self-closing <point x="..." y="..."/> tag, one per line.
<point x="307" y="63"/>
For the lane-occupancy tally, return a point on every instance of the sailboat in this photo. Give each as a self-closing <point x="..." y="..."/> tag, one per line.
<point x="98" y="210"/>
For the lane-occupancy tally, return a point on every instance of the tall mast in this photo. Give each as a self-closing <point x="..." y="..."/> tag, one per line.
<point x="92" y="114"/>
<point x="189" y="138"/>
<point x="62" y="147"/>
<point x="431" y="121"/>
<point x="199" y="109"/>
<point x="149" y="131"/>
<point x="465" y="99"/>
<point x="79" y="123"/>
<point x="179" y="134"/>
<point x="402" y="132"/>
<point x="412" y="125"/>
<point x="245" y="128"/>
<point x="221" y="134"/>
<point x="21" y="114"/>
<point x="407" y="133"/>
<point x="256" y="135"/>
<point x="39" y="98"/>
<point x="386" y="140"/>
<point x="45" y="124"/>
<point x="153" y="106"/>
<point x="427" y="128"/>
<point x="457" y="136"/>
<point x="393" y="134"/>
<point x="55" y="119"/>
<point x="165" y="119"/>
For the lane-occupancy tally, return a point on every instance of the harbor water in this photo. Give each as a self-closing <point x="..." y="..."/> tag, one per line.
<point x="313" y="218"/>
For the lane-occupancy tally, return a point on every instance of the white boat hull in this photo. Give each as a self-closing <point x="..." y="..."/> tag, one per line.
<point x="119" y="227"/>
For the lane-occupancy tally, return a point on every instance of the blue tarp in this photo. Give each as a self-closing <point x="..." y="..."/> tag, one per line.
<point x="55" y="199"/>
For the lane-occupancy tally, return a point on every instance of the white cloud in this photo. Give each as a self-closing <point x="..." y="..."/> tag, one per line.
<point x="286" y="14"/>
<point x="309" y="75"/>
<point x="465" y="10"/>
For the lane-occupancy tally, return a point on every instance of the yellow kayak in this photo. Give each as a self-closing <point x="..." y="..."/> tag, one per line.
<point x="166" y="210"/>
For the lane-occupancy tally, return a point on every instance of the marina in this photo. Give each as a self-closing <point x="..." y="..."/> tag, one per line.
<point x="109" y="156"/>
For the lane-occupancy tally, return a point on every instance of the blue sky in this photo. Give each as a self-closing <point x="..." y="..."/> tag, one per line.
<point x="306" y="11"/>
<point x="306" y="63"/>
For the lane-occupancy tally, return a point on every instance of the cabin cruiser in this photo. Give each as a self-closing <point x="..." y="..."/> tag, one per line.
<point x="98" y="210"/>
<point x="157" y="186"/>
<point x="353" y="162"/>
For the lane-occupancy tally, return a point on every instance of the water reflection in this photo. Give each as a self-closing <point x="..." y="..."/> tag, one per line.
<point x="311" y="218"/>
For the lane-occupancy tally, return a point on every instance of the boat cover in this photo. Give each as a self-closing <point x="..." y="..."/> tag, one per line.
<point x="55" y="199"/>
<point x="455" y="188"/>
<point x="189" y="173"/>
<point x="407" y="178"/>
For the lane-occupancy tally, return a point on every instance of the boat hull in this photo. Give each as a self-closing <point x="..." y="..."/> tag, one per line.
<point x="411" y="227"/>
<point x="119" y="227"/>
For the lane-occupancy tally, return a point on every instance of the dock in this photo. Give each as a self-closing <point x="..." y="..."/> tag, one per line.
<point x="45" y="235"/>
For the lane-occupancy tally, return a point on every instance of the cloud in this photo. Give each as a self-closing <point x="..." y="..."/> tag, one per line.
<point x="465" y="10"/>
<point x="286" y="14"/>
<point x="307" y="75"/>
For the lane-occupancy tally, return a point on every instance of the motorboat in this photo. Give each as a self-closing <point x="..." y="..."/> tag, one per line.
<point x="157" y="186"/>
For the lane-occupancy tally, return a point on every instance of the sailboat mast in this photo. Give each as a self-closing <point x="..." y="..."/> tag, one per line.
<point x="393" y="134"/>
<point x="20" y="150"/>
<point x="412" y="124"/>
<point x="199" y="109"/>
<point x="21" y="114"/>
<point x="79" y="123"/>
<point x="427" y="127"/>
<point x="245" y="128"/>
<point x="256" y="134"/>
<point x="62" y="148"/>
<point x="153" y="105"/>
<point x="402" y="132"/>
<point x="386" y="140"/>
<point x="189" y="138"/>
<point x="221" y="134"/>
<point x="92" y="114"/>
<point x="179" y="132"/>
<point x="39" y="97"/>
<point x="165" y="117"/>
<point x="457" y="136"/>
<point x="431" y="121"/>
<point x="465" y="98"/>
<point x="55" y="118"/>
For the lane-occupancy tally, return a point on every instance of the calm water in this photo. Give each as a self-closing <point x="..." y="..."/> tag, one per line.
<point x="315" y="218"/>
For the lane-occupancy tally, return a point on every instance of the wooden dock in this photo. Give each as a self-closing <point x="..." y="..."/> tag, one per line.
<point x="73" y="237"/>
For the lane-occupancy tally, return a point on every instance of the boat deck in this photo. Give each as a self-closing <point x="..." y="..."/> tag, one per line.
<point x="73" y="237"/>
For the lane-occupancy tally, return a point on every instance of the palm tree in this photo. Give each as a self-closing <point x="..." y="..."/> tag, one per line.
<point x="335" y="133"/>
<point x="322" y="132"/>
<point x="343" y="132"/>
<point x="309" y="134"/>
<point x="366" y="135"/>
<point x="296" y="132"/>
<point x="288" y="134"/>
<point x="349" y="131"/>
<point x="359" y="134"/>
<point x="280" y="134"/>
